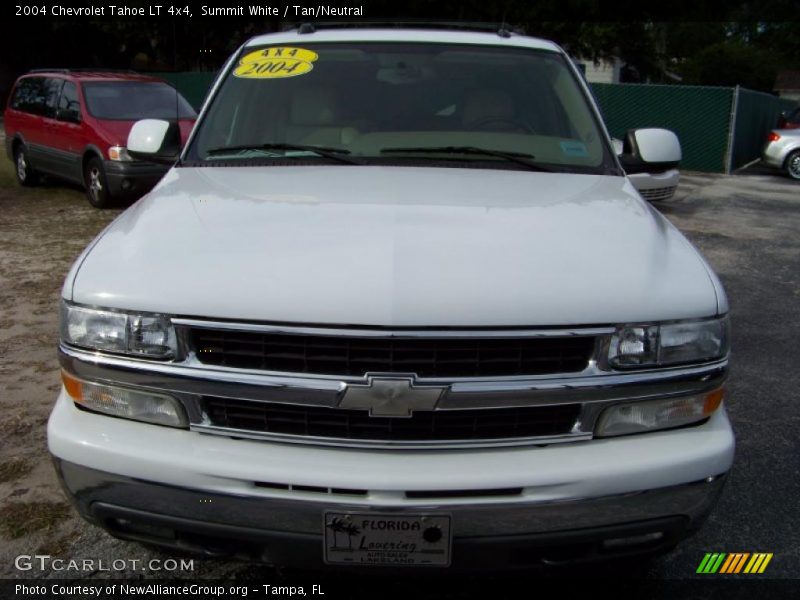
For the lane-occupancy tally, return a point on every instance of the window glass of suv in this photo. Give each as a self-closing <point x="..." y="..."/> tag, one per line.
<point x="134" y="100"/>
<point x="404" y="103"/>
<point x="69" y="107"/>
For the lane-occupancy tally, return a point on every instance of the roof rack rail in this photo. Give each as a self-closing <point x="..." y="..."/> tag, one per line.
<point x="49" y="71"/>
<point x="501" y="29"/>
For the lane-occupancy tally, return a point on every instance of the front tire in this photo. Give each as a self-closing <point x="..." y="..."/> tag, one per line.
<point x="94" y="178"/>
<point x="24" y="170"/>
<point x="792" y="165"/>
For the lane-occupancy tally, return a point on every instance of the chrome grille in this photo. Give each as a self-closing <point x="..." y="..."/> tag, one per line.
<point x="354" y="356"/>
<point x="445" y="425"/>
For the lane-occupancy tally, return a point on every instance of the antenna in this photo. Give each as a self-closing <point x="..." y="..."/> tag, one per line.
<point x="175" y="84"/>
<point x="504" y="30"/>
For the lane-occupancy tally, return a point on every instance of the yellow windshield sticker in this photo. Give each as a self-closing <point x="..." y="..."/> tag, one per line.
<point x="275" y="63"/>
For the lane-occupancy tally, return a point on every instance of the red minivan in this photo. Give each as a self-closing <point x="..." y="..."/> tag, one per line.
<point x="74" y="124"/>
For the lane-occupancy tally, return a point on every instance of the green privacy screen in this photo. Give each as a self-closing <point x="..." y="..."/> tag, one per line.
<point x="700" y="116"/>
<point x="713" y="137"/>
<point x="193" y="86"/>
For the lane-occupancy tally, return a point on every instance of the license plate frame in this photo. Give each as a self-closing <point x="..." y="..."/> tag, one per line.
<point x="387" y="539"/>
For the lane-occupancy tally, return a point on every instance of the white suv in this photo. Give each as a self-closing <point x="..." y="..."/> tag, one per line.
<point x="395" y="304"/>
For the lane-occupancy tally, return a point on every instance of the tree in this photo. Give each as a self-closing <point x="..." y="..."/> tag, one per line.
<point x="732" y="63"/>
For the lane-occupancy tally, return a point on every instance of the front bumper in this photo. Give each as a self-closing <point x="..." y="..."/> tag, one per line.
<point x="205" y="492"/>
<point x="289" y="532"/>
<point x="132" y="179"/>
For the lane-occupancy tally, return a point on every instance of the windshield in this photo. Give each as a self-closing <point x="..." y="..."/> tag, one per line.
<point x="134" y="100"/>
<point x="402" y="103"/>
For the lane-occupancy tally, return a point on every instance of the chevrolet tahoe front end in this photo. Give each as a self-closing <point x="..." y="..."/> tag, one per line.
<point x="367" y="355"/>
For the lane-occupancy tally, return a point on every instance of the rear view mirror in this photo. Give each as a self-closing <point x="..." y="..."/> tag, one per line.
<point x="155" y="140"/>
<point x="650" y="151"/>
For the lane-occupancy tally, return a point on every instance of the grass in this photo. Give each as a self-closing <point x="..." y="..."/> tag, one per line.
<point x="18" y="519"/>
<point x="14" y="468"/>
<point x="7" y="178"/>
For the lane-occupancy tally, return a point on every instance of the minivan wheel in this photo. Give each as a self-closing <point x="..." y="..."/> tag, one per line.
<point x="25" y="173"/>
<point x="793" y="165"/>
<point x="94" y="177"/>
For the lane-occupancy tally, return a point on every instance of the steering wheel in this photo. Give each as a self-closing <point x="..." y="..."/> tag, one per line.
<point x="514" y="125"/>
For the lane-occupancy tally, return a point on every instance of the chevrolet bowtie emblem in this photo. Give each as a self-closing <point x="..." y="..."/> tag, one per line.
<point x="390" y="396"/>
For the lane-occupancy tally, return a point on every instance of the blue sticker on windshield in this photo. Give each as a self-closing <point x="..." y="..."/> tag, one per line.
<point x="573" y="148"/>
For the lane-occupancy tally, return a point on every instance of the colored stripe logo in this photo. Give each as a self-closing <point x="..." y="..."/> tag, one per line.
<point x="734" y="563"/>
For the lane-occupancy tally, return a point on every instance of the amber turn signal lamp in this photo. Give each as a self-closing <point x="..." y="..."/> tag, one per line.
<point x="73" y="386"/>
<point x="713" y="400"/>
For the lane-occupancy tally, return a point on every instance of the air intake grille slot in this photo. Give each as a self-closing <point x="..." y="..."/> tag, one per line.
<point x="426" y="357"/>
<point x="664" y="193"/>
<point x="312" y="489"/>
<point x="321" y="422"/>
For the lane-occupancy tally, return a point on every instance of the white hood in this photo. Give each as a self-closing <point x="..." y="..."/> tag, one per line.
<point x="395" y="246"/>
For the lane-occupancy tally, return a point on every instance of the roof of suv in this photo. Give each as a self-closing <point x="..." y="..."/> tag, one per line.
<point x="88" y="75"/>
<point x="404" y="35"/>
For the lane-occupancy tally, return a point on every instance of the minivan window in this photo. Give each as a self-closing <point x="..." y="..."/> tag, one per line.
<point x="69" y="107"/>
<point x="407" y="102"/>
<point x="29" y="95"/>
<point x="52" y="89"/>
<point x="133" y="100"/>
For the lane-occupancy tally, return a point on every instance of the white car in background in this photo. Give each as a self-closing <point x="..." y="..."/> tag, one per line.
<point x="783" y="151"/>
<point x="652" y="185"/>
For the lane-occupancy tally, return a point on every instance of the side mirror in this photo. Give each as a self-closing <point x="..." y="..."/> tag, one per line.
<point x="650" y="151"/>
<point x="155" y="140"/>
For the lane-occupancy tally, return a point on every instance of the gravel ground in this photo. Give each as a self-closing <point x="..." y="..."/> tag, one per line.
<point x="748" y="226"/>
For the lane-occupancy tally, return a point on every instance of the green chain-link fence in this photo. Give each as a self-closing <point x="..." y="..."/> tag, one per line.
<point x="720" y="129"/>
<point x="700" y="116"/>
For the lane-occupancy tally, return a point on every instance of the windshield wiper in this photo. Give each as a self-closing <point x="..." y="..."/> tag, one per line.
<point x="325" y="151"/>
<point x="517" y="157"/>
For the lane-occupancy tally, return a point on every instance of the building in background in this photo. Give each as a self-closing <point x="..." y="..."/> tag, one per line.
<point x="601" y="71"/>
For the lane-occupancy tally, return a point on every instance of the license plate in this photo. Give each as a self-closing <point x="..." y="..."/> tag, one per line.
<point x="387" y="539"/>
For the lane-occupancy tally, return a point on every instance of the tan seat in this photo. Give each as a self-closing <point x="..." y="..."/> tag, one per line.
<point x="313" y="119"/>
<point x="488" y="110"/>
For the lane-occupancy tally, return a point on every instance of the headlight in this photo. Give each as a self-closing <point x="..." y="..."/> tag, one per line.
<point x="651" y="415"/>
<point x="119" y="153"/>
<point x="139" y="405"/>
<point x="669" y="343"/>
<point x="151" y="336"/>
